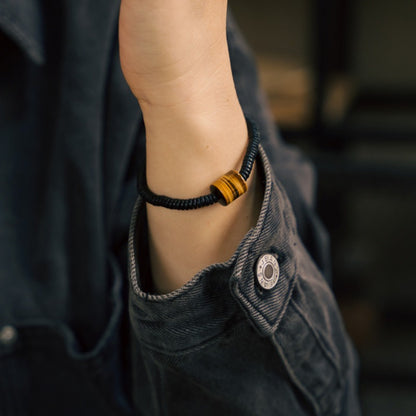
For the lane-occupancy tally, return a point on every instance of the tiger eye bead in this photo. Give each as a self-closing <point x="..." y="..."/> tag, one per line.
<point x="229" y="187"/>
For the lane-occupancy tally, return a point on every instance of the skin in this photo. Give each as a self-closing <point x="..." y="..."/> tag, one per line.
<point x="174" y="56"/>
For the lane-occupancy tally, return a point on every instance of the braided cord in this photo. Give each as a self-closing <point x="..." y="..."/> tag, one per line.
<point x="204" y="200"/>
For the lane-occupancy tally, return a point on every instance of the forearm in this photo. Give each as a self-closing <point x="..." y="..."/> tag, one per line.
<point x="195" y="131"/>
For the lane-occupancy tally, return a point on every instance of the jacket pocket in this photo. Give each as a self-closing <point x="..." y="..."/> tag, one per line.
<point x="46" y="373"/>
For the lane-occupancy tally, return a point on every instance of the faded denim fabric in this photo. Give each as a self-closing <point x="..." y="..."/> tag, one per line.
<point x="89" y="339"/>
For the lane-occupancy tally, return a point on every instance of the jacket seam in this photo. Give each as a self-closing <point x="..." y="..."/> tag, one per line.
<point x="195" y="348"/>
<point x="294" y="378"/>
<point x="318" y="338"/>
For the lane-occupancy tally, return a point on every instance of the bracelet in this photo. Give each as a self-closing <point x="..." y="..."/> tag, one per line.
<point x="224" y="190"/>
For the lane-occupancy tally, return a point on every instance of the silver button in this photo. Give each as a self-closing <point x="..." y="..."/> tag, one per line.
<point x="8" y="335"/>
<point x="267" y="271"/>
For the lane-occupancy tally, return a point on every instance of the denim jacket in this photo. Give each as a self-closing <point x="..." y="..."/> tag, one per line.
<point x="80" y="334"/>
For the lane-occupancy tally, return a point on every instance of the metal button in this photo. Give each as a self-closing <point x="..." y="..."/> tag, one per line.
<point x="8" y="335"/>
<point x="267" y="271"/>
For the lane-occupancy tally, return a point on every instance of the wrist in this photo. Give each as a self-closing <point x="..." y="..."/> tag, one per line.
<point x="202" y="89"/>
<point x="186" y="152"/>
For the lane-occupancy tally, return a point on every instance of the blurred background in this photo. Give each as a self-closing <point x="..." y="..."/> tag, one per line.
<point x="340" y="76"/>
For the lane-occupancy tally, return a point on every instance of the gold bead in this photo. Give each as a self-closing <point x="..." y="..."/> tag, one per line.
<point x="229" y="187"/>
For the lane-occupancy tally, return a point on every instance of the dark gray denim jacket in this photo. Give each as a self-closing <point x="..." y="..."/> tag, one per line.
<point x="79" y="332"/>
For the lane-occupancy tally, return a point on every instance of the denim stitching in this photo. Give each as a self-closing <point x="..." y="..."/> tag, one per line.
<point x="194" y="348"/>
<point x="265" y="210"/>
<point x="295" y="378"/>
<point x="312" y="397"/>
<point x="318" y="339"/>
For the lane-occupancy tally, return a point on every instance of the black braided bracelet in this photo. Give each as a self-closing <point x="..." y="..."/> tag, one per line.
<point x="225" y="190"/>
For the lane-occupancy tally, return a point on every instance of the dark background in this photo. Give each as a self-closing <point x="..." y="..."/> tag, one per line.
<point x="341" y="80"/>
